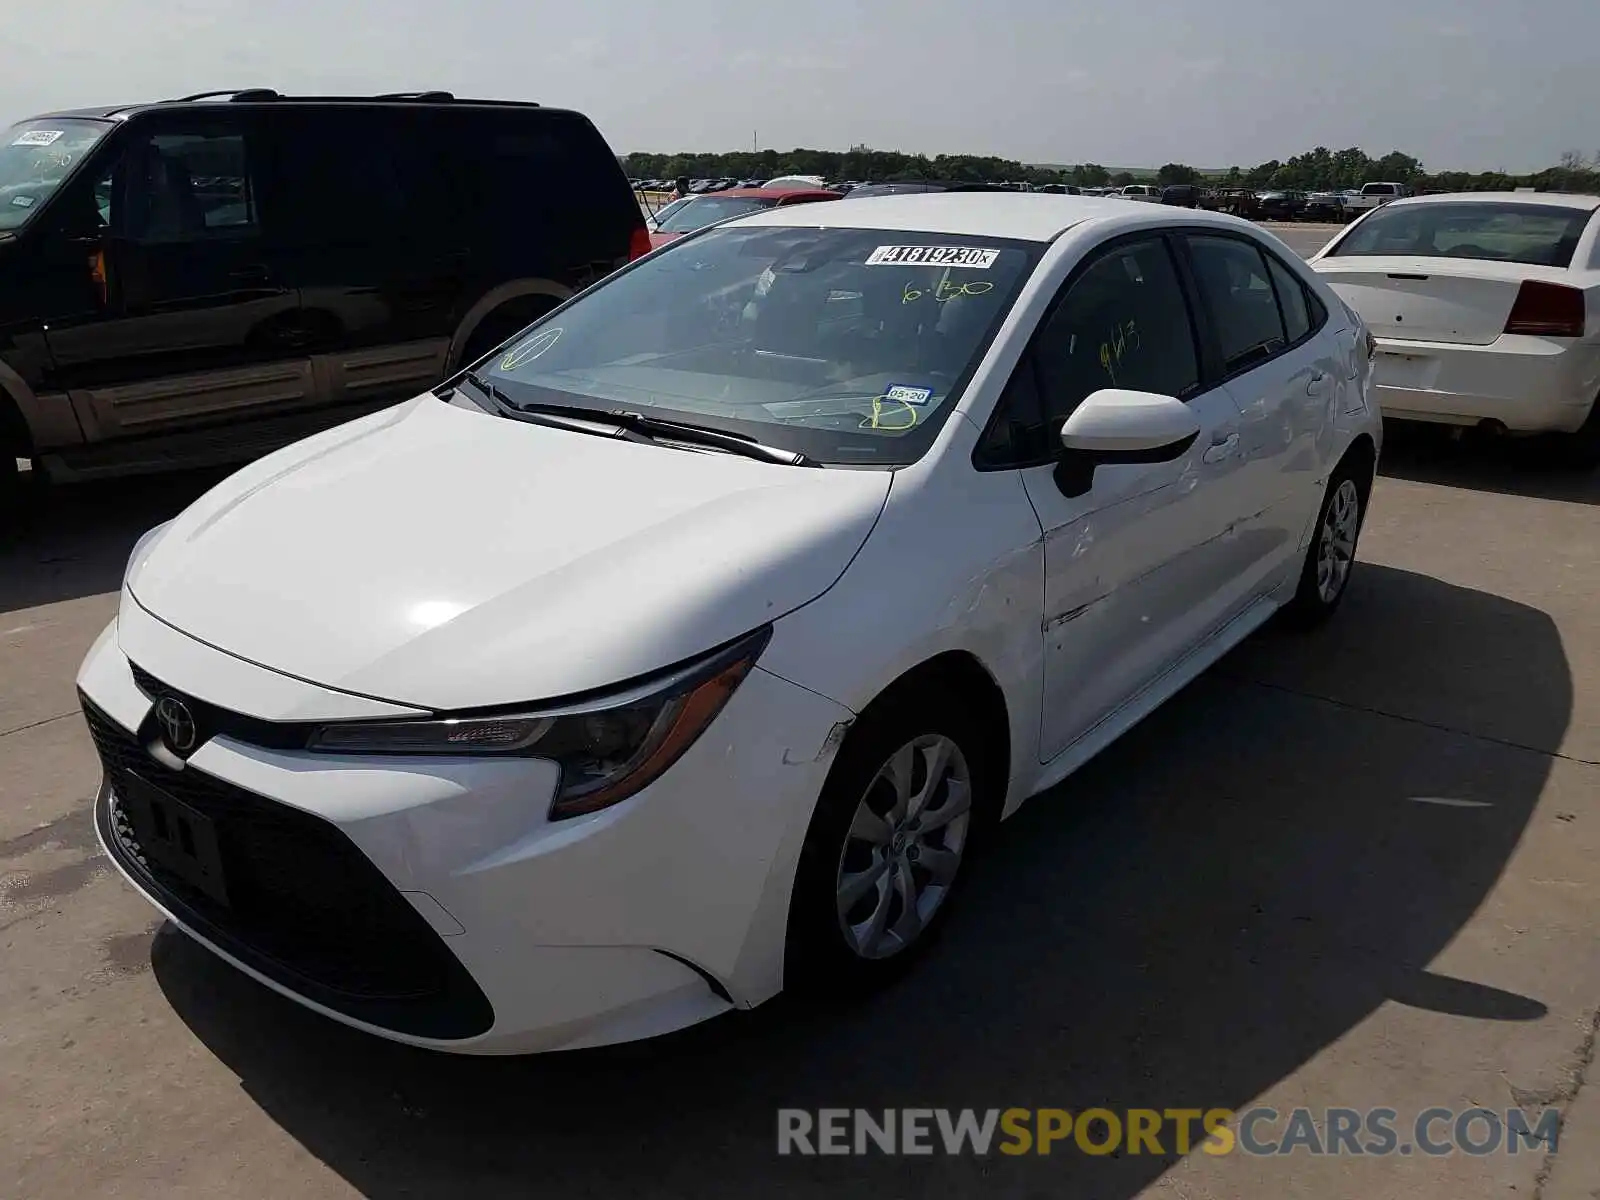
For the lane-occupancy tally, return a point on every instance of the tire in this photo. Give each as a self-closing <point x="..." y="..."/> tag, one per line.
<point x="1330" y="558"/>
<point x="1579" y="450"/>
<point x="888" y="859"/>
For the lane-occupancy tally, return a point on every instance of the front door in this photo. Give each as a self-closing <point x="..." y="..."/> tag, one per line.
<point x="187" y="323"/>
<point x="1135" y="569"/>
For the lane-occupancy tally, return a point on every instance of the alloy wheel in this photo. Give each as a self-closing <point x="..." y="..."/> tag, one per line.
<point x="904" y="846"/>
<point x="1336" y="541"/>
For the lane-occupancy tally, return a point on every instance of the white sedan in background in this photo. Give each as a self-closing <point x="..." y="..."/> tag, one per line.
<point x="1486" y="310"/>
<point x="684" y="649"/>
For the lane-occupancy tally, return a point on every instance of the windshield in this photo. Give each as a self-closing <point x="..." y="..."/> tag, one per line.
<point x="1536" y="234"/>
<point x="708" y="210"/>
<point x="667" y="210"/>
<point x="847" y="345"/>
<point x="35" y="157"/>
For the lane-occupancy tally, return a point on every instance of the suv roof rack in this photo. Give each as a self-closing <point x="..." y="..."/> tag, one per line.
<point x="258" y="95"/>
<point x="244" y="95"/>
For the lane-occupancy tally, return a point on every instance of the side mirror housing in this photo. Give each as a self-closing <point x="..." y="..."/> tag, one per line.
<point x="1116" y="425"/>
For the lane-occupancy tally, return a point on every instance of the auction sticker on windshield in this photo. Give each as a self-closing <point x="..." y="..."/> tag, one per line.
<point x="38" y="137"/>
<point x="932" y="256"/>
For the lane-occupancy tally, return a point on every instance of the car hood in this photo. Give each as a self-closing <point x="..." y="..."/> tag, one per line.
<point x="437" y="556"/>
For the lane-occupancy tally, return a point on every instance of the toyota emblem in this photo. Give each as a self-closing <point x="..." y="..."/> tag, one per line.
<point x="177" y="724"/>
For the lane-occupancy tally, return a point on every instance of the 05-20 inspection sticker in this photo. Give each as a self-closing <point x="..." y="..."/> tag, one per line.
<point x="933" y="256"/>
<point x="904" y="394"/>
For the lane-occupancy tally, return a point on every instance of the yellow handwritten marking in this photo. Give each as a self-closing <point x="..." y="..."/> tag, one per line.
<point x="945" y="291"/>
<point x="876" y="420"/>
<point x="1124" y="338"/>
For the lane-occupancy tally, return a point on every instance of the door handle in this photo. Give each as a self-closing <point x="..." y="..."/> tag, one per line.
<point x="1220" y="450"/>
<point x="255" y="273"/>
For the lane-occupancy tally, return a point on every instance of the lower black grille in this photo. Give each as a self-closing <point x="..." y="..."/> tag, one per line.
<point x="304" y="906"/>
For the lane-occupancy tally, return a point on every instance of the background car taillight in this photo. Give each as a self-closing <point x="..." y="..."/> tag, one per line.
<point x="638" y="243"/>
<point x="1547" y="310"/>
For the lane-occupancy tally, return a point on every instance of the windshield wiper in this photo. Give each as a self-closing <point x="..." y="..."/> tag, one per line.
<point x="553" y="416"/>
<point x="678" y="431"/>
<point x="635" y="426"/>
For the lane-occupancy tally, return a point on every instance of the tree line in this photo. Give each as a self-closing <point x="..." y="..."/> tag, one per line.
<point x="1320" y="169"/>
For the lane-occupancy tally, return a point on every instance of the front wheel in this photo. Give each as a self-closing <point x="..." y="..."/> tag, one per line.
<point x="894" y="829"/>
<point x="1330" y="559"/>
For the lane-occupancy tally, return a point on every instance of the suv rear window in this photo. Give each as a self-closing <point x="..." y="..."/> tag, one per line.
<point x="1543" y="235"/>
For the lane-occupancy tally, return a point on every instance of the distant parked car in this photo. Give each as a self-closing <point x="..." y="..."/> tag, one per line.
<point x="1060" y="189"/>
<point x="1324" y="206"/>
<point x="1374" y="195"/>
<point x="204" y="280"/>
<point x="699" y="211"/>
<point x="1148" y="193"/>
<point x="1182" y="195"/>
<point x="1280" y="206"/>
<point x="1486" y="310"/>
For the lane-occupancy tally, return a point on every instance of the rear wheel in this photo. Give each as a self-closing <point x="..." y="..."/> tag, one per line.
<point x="1330" y="559"/>
<point x="894" y="830"/>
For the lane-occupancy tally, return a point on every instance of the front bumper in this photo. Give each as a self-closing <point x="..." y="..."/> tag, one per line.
<point x="430" y="900"/>
<point x="1528" y="384"/>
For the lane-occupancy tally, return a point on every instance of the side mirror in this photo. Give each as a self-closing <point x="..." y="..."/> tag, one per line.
<point x="1115" y="425"/>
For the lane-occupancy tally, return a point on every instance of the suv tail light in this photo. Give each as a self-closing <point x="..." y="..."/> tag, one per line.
<point x="638" y="243"/>
<point x="1547" y="310"/>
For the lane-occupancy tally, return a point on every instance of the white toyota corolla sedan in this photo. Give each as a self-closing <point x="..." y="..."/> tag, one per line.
<point x="687" y="647"/>
<point x="1486" y="311"/>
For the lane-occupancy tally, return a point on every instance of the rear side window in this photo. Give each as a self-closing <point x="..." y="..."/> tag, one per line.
<point x="1292" y="301"/>
<point x="528" y="168"/>
<point x="360" y="177"/>
<point x="1537" y="234"/>
<point x="1237" y="289"/>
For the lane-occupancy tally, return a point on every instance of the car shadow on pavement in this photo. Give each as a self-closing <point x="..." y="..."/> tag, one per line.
<point x="1510" y="466"/>
<point x="64" y="542"/>
<point x="1218" y="897"/>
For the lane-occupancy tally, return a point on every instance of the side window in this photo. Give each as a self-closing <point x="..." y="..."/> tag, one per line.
<point x="1123" y="323"/>
<point x="1237" y="289"/>
<point x="183" y="187"/>
<point x="1291" y="300"/>
<point x="360" y="178"/>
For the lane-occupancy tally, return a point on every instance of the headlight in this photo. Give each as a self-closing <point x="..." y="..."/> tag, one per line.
<point x="608" y="748"/>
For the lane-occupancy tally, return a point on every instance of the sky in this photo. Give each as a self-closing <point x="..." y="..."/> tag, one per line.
<point x="1463" y="85"/>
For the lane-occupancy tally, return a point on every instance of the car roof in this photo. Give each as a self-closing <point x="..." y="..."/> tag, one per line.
<point x="770" y="193"/>
<point x="1022" y="216"/>
<point x="1554" y="199"/>
<point x="441" y="100"/>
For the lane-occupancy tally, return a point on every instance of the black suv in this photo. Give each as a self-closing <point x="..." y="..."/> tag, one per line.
<point x="203" y="280"/>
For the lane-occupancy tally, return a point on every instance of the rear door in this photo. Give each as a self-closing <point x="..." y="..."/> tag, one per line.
<point x="1285" y="378"/>
<point x="373" y="236"/>
<point x="195" y="323"/>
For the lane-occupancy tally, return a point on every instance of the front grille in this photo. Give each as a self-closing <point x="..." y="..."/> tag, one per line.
<point x="304" y="906"/>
